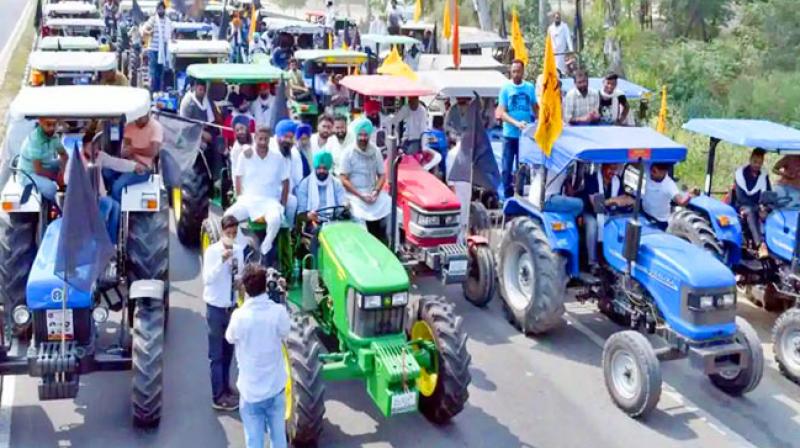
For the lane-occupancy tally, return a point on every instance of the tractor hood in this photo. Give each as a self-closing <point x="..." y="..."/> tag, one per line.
<point x="423" y="189"/>
<point x="360" y="259"/>
<point x="696" y="267"/>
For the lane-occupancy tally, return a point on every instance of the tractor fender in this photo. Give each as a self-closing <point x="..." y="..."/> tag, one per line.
<point x="147" y="289"/>
<point x="142" y="197"/>
<point x="718" y="213"/>
<point x="560" y="229"/>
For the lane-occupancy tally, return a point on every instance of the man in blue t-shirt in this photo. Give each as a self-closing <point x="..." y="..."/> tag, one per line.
<point x="517" y="107"/>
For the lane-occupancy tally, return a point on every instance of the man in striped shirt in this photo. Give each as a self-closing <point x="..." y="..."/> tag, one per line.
<point x="159" y="30"/>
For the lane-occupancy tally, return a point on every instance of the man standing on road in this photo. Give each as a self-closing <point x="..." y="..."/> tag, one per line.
<point x="562" y="41"/>
<point x="517" y="107"/>
<point x="221" y="263"/>
<point x="257" y="329"/>
<point x="159" y="28"/>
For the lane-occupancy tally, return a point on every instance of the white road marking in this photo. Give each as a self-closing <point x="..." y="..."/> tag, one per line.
<point x="13" y="39"/>
<point x="667" y="389"/>
<point x="6" y="406"/>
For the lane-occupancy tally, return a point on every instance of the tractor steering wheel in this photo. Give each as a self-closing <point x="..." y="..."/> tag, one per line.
<point x="333" y="213"/>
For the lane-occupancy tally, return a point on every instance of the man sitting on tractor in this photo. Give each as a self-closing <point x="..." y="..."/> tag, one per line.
<point x="196" y="106"/>
<point x="262" y="104"/>
<point x="363" y="175"/>
<point x="241" y="108"/>
<point x="659" y="192"/>
<point x="607" y="183"/>
<point x="142" y="142"/>
<point x="261" y="183"/>
<point x="43" y="158"/>
<point x="788" y="168"/>
<point x="244" y="139"/>
<point x="319" y="191"/>
<point x="750" y="181"/>
<point x="614" y="108"/>
<point x="113" y="77"/>
<point x="455" y="121"/>
<point x="415" y="118"/>
<point x="303" y="144"/>
<point x="297" y="88"/>
<point x="320" y="139"/>
<point x="582" y="103"/>
<point x="340" y="141"/>
<point x="339" y="95"/>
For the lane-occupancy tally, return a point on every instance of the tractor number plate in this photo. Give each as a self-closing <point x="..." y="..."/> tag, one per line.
<point x="457" y="267"/>
<point x="56" y="325"/>
<point x="404" y="402"/>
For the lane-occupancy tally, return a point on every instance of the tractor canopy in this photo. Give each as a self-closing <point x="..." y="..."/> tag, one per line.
<point x="423" y="189"/>
<point x="385" y="85"/>
<point x="632" y="91"/>
<point x="453" y="84"/>
<point x="81" y="102"/>
<point x="381" y="42"/>
<point x="281" y="25"/>
<point x="195" y="48"/>
<point x="72" y="22"/>
<point x="360" y="259"/>
<point x="474" y="38"/>
<point x="68" y="43"/>
<point x="435" y="62"/>
<point x="148" y="6"/>
<point x="602" y="144"/>
<point x="333" y="57"/>
<point x="235" y="73"/>
<point x="70" y="8"/>
<point x="70" y="61"/>
<point x="191" y="27"/>
<point x="750" y="133"/>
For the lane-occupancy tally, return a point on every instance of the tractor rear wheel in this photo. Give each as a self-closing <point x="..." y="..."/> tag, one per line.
<point x="210" y="233"/>
<point x="17" y="252"/>
<point x="148" y="248"/>
<point x="786" y="344"/>
<point x="696" y="229"/>
<point x="190" y="203"/>
<point x="305" y="390"/>
<point x="443" y="390"/>
<point x="632" y="373"/>
<point x="147" y="362"/>
<point x="533" y="278"/>
<point x="480" y="284"/>
<point x="744" y="380"/>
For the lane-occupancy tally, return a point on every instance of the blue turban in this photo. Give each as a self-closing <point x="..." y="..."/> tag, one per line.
<point x="284" y="127"/>
<point x="323" y="158"/>
<point x="302" y="130"/>
<point x="241" y="119"/>
<point x="363" y="125"/>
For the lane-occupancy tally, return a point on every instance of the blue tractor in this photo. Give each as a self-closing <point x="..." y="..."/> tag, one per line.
<point x="716" y="226"/>
<point x="649" y="281"/>
<point x="57" y="332"/>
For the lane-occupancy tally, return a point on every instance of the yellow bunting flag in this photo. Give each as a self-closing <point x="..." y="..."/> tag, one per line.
<point x="661" y="126"/>
<point x="447" y="28"/>
<point x="418" y="11"/>
<point x="517" y="41"/>
<point x="550" y="120"/>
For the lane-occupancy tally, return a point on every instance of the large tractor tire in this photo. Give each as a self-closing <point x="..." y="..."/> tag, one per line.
<point x="190" y="203"/>
<point x="443" y="390"/>
<point x="17" y="252"/>
<point x="148" y="248"/>
<point x="786" y="344"/>
<point x="695" y="228"/>
<point x="148" y="362"/>
<point x="632" y="373"/>
<point x="743" y="380"/>
<point x="533" y="278"/>
<point x="210" y="233"/>
<point x="305" y="389"/>
<point x="480" y="285"/>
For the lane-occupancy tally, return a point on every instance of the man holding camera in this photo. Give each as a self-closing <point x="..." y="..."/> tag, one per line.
<point x="221" y="263"/>
<point x="257" y="329"/>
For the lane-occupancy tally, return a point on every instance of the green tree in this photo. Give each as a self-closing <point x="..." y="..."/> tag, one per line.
<point x="694" y="18"/>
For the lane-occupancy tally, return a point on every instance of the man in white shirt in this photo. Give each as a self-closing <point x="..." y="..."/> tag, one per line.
<point x="562" y="41"/>
<point x="377" y="25"/>
<point x="582" y="103"/>
<point x="337" y="144"/>
<point x="257" y="330"/>
<point x="261" y="183"/>
<point x="319" y="140"/>
<point x="415" y="119"/>
<point x="660" y="192"/>
<point x="261" y="105"/>
<point x="221" y="262"/>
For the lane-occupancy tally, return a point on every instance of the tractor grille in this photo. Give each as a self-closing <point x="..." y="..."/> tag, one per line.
<point x="378" y="322"/>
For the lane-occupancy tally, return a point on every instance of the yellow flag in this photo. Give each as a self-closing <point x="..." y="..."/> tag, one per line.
<point x="418" y="11"/>
<point x="550" y="120"/>
<point x="447" y="28"/>
<point x="167" y="3"/>
<point x="517" y="41"/>
<point x="394" y="65"/>
<point x="661" y="126"/>
<point x="330" y="41"/>
<point x="253" y="21"/>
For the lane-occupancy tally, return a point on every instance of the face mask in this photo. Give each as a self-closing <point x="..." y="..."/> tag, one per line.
<point x="322" y="177"/>
<point x="227" y="241"/>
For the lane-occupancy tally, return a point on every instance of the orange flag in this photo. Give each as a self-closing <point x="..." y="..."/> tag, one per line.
<point x="456" y="39"/>
<point x="551" y="123"/>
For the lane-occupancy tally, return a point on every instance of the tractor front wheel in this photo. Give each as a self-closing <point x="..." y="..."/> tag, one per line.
<point x="443" y="387"/>
<point x="17" y="252"/>
<point x="480" y="284"/>
<point x="533" y="278"/>
<point x="305" y="390"/>
<point x="148" y="364"/>
<point x="632" y="373"/>
<point x="740" y="381"/>
<point x="786" y="344"/>
<point x="191" y="202"/>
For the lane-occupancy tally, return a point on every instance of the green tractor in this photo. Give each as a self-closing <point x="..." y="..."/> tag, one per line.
<point x="352" y="319"/>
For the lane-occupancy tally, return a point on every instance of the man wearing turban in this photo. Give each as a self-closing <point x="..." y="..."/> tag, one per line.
<point x="320" y="190"/>
<point x="363" y="175"/>
<point x="262" y="104"/>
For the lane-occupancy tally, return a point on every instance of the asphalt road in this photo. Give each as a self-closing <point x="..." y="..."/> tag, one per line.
<point x="525" y="392"/>
<point x="10" y="12"/>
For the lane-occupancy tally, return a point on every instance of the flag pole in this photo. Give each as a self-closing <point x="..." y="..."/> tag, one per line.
<point x="64" y="315"/>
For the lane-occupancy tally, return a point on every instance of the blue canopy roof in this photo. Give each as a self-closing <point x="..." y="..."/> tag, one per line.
<point x="632" y="91"/>
<point x="601" y="144"/>
<point x="750" y="133"/>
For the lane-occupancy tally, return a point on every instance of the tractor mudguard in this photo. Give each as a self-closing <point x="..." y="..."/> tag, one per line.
<point x="147" y="289"/>
<point x="724" y="221"/>
<point x="560" y="228"/>
<point x="142" y="197"/>
<point x="780" y="231"/>
<point x="669" y="268"/>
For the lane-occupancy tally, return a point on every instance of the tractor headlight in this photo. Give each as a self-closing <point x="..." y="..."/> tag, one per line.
<point x="451" y="220"/>
<point x="400" y="299"/>
<point x="701" y="303"/>
<point x="100" y="314"/>
<point x="21" y="315"/>
<point x="729" y="300"/>
<point x="371" y="302"/>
